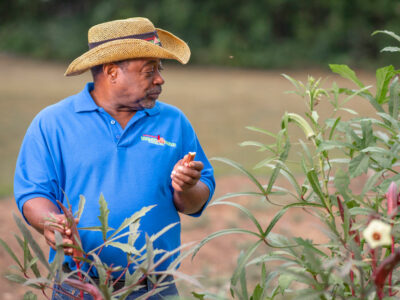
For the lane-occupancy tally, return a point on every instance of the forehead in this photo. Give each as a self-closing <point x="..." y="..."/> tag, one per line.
<point x="143" y="62"/>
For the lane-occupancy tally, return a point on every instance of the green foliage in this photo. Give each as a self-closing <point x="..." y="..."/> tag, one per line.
<point x="143" y="259"/>
<point x="231" y="33"/>
<point x="335" y="152"/>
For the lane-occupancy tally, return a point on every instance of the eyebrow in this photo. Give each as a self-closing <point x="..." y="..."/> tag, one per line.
<point x="150" y="62"/>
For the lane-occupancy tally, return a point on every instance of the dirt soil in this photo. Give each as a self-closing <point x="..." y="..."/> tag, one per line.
<point x="215" y="261"/>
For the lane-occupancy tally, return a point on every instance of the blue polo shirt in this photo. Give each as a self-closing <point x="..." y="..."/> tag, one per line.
<point x="77" y="147"/>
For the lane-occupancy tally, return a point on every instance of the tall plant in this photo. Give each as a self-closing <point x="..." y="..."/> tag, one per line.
<point x="360" y="257"/>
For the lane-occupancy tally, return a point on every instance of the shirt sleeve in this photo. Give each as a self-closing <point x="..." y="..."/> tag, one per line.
<point x="35" y="174"/>
<point x="192" y="144"/>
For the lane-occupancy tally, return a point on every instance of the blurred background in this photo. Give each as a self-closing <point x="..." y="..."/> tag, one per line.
<point x="239" y="48"/>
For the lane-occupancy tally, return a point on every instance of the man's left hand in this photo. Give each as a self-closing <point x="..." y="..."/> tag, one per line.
<point x="186" y="175"/>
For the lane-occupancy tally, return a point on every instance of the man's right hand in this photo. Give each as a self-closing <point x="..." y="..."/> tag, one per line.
<point x="58" y="222"/>
<point x="45" y="217"/>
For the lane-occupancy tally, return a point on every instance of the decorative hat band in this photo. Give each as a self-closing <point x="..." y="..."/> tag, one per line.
<point x="151" y="37"/>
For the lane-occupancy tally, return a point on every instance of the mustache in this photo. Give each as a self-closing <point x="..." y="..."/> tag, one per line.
<point x="155" y="90"/>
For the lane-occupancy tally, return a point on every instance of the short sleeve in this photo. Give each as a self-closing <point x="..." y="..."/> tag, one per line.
<point x="35" y="174"/>
<point x="192" y="144"/>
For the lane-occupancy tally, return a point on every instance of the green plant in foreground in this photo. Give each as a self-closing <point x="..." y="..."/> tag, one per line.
<point x="362" y="226"/>
<point x="143" y="259"/>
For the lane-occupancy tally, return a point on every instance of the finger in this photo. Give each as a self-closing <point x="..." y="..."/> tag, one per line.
<point x="178" y="185"/>
<point x="194" y="174"/>
<point x="185" y="178"/>
<point x="197" y="165"/>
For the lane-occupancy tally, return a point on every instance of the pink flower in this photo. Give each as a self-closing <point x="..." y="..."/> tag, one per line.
<point x="392" y="197"/>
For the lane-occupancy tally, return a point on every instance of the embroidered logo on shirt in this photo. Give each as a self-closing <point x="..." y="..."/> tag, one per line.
<point x="157" y="140"/>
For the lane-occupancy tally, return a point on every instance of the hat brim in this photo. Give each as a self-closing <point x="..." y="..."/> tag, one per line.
<point x="117" y="50"/>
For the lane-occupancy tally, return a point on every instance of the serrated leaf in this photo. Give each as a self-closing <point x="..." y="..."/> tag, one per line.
<point x="132" y="219"/>
<point x="347" y="73"/>
<point x="383" y="77"/>
<point x="342" y="181"/>
<point x="104" y="211"/>
<point x="125" y="248"/>
<point x="358" y="165"/>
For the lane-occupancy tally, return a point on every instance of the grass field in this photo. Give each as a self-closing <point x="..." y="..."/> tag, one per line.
<point x="219" y="103"/>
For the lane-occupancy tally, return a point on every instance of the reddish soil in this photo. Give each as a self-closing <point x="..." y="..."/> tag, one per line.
<point x="215" y="261"/>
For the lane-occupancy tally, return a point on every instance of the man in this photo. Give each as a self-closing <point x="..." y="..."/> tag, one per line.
<point x="115" y="138"/>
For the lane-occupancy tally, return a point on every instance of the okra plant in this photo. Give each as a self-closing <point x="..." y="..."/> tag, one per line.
<point x="360" y="258"/>
<point x="29" y="274"/>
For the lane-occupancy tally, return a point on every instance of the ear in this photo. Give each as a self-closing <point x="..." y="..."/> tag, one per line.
<point x="110" y="71"/>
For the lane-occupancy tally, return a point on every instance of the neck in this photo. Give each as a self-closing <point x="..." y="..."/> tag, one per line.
<point x="103" y="98"/>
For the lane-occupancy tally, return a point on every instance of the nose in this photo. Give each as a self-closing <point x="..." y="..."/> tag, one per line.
<point x="158" y="79"/>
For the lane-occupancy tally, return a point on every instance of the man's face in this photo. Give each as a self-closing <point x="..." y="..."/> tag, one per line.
<point x="138" y="84"/>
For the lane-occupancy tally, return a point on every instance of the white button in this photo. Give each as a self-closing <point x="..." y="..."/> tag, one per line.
<point x="112" y="122"/>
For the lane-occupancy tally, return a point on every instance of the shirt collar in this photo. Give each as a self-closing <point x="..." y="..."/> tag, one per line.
<point x="84" y="102"/>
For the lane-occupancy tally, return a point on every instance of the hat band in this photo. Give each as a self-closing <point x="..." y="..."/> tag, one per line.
<point x="151" y="37"/>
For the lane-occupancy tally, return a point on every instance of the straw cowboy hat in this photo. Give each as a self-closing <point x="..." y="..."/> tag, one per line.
<point x="124" y="39"/>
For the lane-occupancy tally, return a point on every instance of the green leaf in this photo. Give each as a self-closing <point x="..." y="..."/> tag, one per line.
<point x="367" y="133"/>
<point x="104" y="211"/>
<point x="332" y="131"/>
<point x="28" y="256"/>
<point x="283" y="156"/>
<point x="34" y="245"/>
<point x="314" y="182"/>
<point x="390" y="33"/>
<point x="342" y="181"/>
<point x="244" y="210"/>
<point x="11" y="253"/>
<point x="394" y="98"/>
<point x="261" y="131"/>
<point x="132" y="219"/>
<point x="81" y="206"/>
<point x="240" y="194"/>
<point x="347" y="73"/>
<point x="241" y="169"/>
<point x="243" y="261"/>
<point x="30" y="296"/>
<point x="16" y="278"/>
<point x="383" y="77"/>
<point x="371" y="182"/>
<point x="285" y="280"/>
<point x="222" y="233"/>
<point x="358" y="165"/>
<point x="274" y="220"/>
<point x="391" y="49"/>
<point x="355" y="211"/>
<point x="125" y="248"/>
